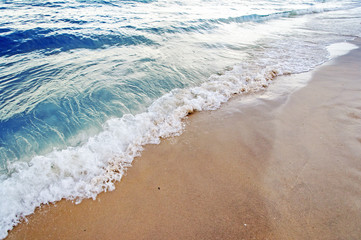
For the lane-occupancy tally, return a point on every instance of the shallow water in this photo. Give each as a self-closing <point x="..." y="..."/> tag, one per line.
<point x="85" y="84"/>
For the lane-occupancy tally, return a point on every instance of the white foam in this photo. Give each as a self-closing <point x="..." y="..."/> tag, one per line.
<point x="339" y="49"/>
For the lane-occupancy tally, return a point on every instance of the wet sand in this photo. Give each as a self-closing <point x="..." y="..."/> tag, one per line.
<point x="265" y="167"/>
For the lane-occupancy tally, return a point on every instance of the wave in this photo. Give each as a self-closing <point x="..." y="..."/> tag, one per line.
<point x="14" y="42"/>
<point x="82" y="172"/>
<point x="276" y="15"/>
<point x="18" y="42"/>
<point x="209" y="24"/>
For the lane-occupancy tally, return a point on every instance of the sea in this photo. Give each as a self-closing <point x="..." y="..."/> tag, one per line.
<point x="86" y="84"/>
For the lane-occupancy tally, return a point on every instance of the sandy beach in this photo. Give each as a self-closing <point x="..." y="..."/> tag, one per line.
<point x="285" y="164"/>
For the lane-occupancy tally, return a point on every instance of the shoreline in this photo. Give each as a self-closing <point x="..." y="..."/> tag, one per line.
<point x="283" y="168"/>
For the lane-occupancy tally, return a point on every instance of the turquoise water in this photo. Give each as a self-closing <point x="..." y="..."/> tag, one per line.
<point x="85" y="84"/>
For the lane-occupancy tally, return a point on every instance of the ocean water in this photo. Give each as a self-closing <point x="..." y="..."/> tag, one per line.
<point x="84" y="85"/>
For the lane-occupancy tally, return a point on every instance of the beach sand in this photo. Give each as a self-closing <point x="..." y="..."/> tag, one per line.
<point x="278" y="165"/>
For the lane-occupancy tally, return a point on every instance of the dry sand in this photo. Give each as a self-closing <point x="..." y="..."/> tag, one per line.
<point x="264" y="167"/>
